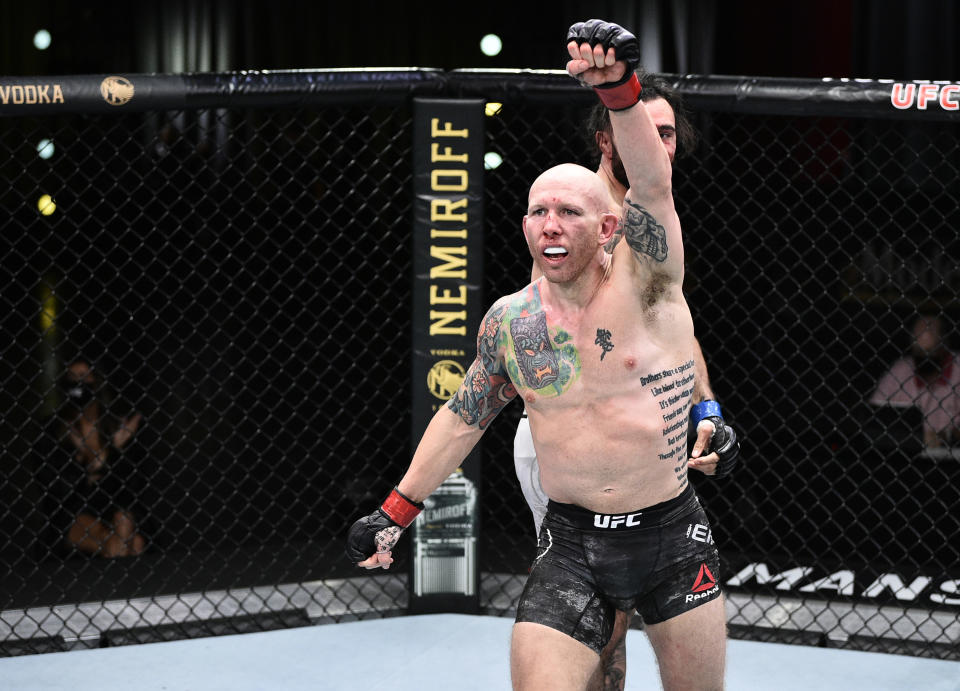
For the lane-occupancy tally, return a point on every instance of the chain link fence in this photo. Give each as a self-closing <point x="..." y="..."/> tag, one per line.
<point x="205" y="373"/>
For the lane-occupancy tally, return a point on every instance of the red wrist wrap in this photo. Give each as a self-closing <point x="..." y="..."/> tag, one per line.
<point x="621" y="96"/>
<point x="399" y="509"/>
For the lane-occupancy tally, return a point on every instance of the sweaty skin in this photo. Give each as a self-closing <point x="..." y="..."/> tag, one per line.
<point x="608" y="431"/>
<point x="613" y="175"/>
<point x="615" y="439"/>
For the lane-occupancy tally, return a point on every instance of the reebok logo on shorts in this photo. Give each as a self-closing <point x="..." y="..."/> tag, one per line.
<point x="705" y="585"/>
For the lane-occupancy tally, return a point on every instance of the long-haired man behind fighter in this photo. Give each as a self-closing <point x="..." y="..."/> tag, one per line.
<point x="610" y="430"/>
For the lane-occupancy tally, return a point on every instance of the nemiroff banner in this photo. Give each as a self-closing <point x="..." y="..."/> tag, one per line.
<point x="447" y="311"/>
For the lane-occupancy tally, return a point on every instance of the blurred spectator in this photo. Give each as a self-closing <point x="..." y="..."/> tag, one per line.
<point x="91" y="491"/>
<point x="929" y="378"/>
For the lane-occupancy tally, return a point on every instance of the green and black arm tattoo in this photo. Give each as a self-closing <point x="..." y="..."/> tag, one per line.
<point x="486" y="388"/>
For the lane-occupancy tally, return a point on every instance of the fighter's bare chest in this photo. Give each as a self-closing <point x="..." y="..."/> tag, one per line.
<point x="551" y="356"/>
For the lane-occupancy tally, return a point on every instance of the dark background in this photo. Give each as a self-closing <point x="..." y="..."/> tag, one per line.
<point x="244" y="299"/>
<point x="894" y="39"/>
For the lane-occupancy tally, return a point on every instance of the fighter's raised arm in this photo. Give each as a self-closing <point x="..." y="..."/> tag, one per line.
<point x="611" y="73"/>
<point x="604" y="56"/>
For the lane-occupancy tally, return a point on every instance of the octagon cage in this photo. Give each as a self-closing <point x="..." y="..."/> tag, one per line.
<point x="223" y="271"/>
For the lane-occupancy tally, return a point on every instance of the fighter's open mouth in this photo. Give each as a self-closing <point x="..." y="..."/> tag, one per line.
<point x="555" y="252"/>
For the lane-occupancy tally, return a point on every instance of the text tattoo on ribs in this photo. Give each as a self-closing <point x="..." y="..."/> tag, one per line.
<point x="673" y="388"/>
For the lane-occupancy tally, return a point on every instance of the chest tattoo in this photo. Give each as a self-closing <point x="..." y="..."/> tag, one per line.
<point x="540" y="355"/>
<point x="531" y="345"/>
<point x="603" y="340"/>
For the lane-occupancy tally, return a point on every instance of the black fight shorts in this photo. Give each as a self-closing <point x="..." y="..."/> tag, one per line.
<point x="660" y="560"/>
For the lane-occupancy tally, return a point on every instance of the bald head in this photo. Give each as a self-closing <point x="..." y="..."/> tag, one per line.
<point x="571" y="182"/>
<point x="568" y="223"/>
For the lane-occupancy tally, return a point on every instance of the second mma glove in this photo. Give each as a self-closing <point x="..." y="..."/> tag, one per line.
<point x="380" y="531"/>
<point x="723" y="441"/>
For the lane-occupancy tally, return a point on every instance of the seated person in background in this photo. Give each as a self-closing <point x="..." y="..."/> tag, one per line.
<point x="929" y="378"/>
<point x="91" y="489"/>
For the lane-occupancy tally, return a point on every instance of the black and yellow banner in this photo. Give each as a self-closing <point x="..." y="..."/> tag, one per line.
<point x="447" y="311"/>
<point x="447" y="249"/>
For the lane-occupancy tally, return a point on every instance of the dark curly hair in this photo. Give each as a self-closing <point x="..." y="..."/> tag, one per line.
<point x="653" y="87"/>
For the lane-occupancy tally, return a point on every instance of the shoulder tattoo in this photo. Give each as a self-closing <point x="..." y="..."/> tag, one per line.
<point x="645" y="236"/>
<point x="486" y="388"/>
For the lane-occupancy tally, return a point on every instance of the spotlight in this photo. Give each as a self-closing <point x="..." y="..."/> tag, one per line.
<point x="491" y="45"/>
<point x="45" y="148"/>
<point x="491" y="160"/>
<point x="41" y="39"/>
<point x="46" y="205"/>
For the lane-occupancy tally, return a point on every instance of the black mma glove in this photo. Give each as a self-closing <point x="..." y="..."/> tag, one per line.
<point x="723" y="441"/>
<point x="625" y="92"/>
<point x="380" y="531"/>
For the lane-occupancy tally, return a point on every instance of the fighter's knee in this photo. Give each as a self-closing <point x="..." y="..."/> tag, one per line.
<point x="543" y="658"/>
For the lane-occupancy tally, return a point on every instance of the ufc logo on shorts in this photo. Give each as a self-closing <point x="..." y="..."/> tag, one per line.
<point x="700" y="533"/>
<point x="606" y="521"/>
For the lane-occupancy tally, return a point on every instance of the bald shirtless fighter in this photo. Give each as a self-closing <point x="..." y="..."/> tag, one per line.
<point x="624" y="528"/>
<point x="715" y="448"/>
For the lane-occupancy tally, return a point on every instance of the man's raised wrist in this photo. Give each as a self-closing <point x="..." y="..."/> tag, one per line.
<point x="620" y="95"/>
<point x="705" y="409"/>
